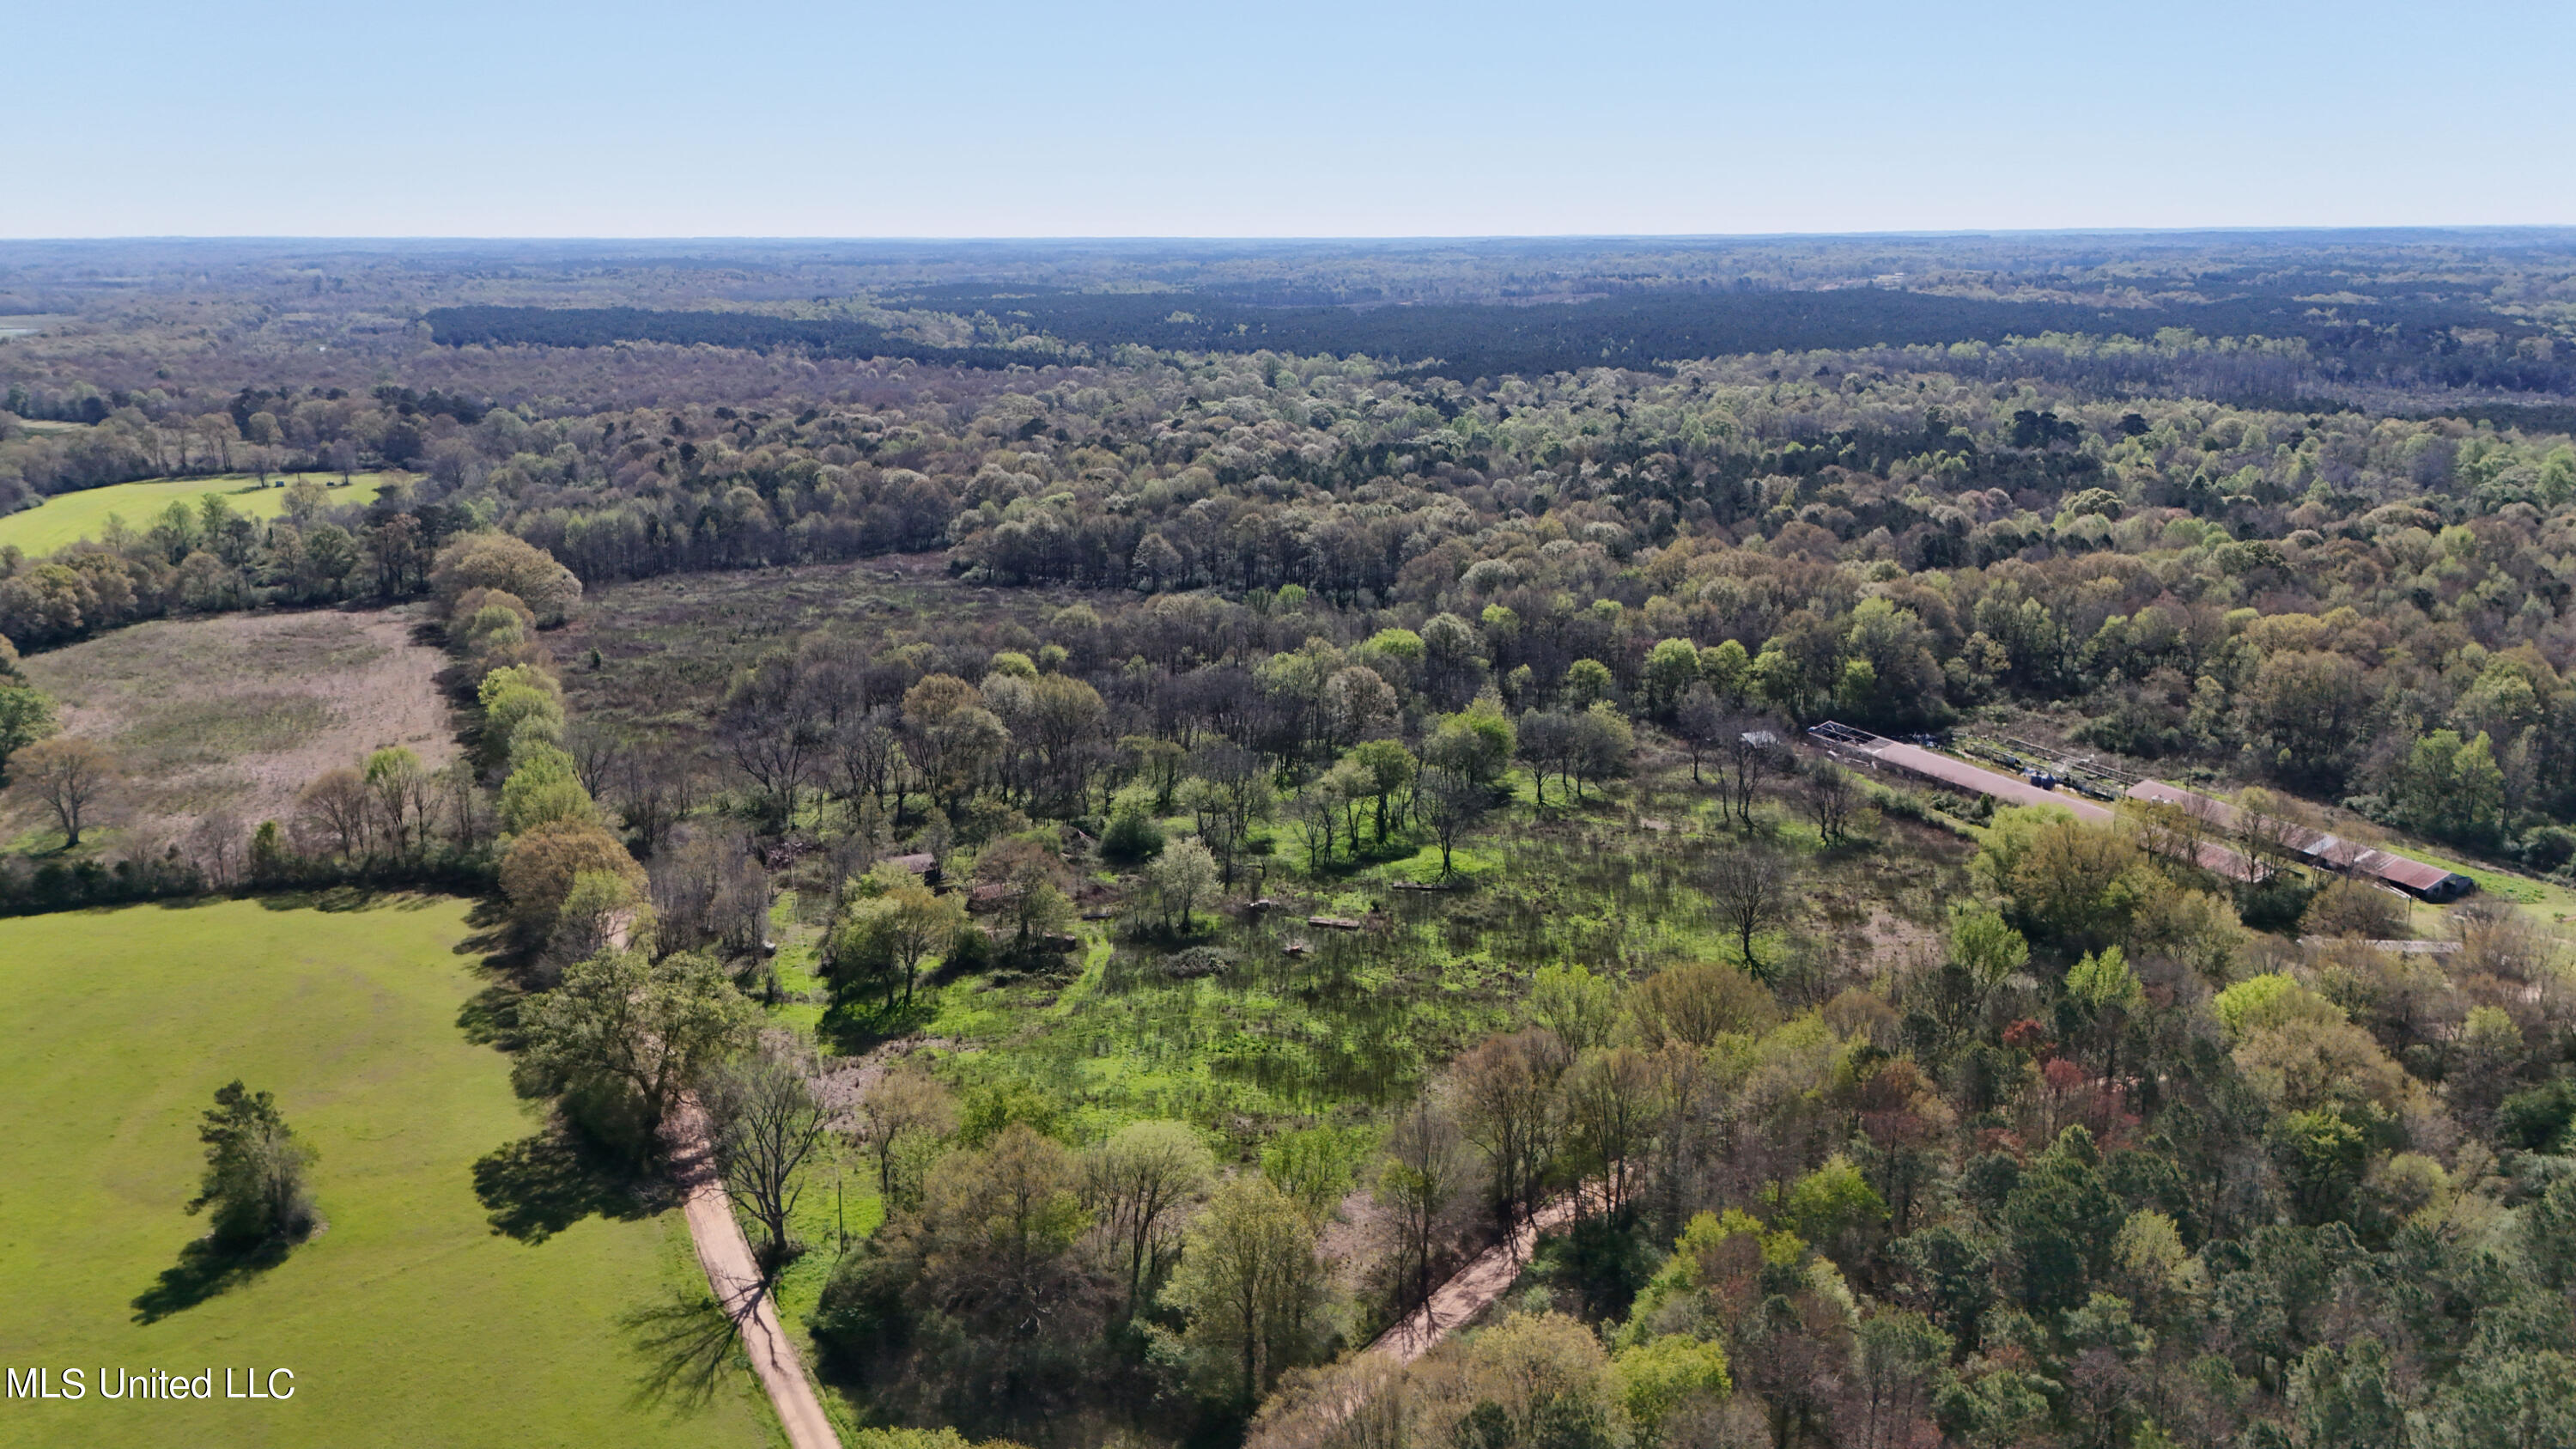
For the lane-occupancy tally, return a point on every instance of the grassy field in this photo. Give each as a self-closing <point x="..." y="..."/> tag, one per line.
<point x="409" y="1321"/>
<point x="70" y="517"/>
<point x="272" y="700"/>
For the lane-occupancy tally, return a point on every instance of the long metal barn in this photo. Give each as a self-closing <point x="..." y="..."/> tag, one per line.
<point x="2314" y="847"/>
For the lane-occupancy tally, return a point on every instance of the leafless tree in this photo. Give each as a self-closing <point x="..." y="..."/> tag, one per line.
<point x="905" y="1104"/>
<point x="215" y="845"/>
<point x="1747" y="750"/>
<point x="1700" y="722"/>
<point x="1610" y="1107"/>
<point x="769" y="730"/>
<point x="1749" y="887"/>
<point x="865" y="757"/>
<point x="468" y="814"/>
<point x="72" y="776"/>
<point x="651" y="787"/>
<point x="1426" y="1173"/>
<point x="765" y="1122"/>
<point x="597" y="752"/>
<point x="1451" y="804"/>
<point x="707" y="890"/>
<point x="335" y="807"/>
<point x="1503" y="1092"/>
<point x="1826" y="792"/>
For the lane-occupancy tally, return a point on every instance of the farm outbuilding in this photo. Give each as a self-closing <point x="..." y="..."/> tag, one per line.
<point x="1860" y="747"/>
<point x="2319" y="849"/>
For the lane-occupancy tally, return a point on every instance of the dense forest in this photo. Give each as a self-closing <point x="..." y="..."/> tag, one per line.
<point x="1302" y="790"/>
<point x="2340" y="337"/>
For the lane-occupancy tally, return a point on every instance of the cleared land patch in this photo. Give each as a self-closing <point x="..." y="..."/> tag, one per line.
<point x="408" y="1320"/>
<point x="240" y="712"/>
<point x="668" y="645"/>
<point x="67" y="518"/>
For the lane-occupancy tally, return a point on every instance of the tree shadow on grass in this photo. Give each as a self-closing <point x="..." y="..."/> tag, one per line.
<point x="490" y="1017"/>
<point x="538" y="1186"/>
<point x="490" y="921"/>
<point x="687" y="1346"/>
<point x="850" y="1028"/>
<point x="204" y="1270"/>
<point x="333" y="899"/>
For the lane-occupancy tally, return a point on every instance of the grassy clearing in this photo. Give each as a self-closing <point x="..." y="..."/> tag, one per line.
<point x="67" y="518"/>
<point x="1356" y="1020"/>
<point x="409" y="1320"/>
<point x="667" y="646"/>
<point x="270" y="701"/>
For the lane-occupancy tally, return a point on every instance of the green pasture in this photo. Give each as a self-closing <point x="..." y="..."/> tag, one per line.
<point x="409" y="1320"/>
<point x="67" y="518"/>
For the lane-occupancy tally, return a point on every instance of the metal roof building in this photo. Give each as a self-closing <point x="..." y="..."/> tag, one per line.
<point x="2331" y="852"/>
<point x="1874" y="751"/>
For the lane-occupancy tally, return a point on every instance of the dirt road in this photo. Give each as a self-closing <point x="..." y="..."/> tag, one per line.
<point x="734" y="1278"/>
<point x="1467" y="1293"/>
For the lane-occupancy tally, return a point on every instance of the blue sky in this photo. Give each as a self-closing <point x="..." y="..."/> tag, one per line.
<point x="990" y="118"/>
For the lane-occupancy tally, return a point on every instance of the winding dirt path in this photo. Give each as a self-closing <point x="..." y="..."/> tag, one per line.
<point x="1471" y="1289"/>
<point x="734" y="1277"/>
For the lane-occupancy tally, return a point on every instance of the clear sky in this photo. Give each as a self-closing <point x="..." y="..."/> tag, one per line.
<point x="1332" y="118"/>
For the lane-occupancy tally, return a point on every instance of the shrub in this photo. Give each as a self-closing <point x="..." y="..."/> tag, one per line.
<point x="1197" y="961"/>
<point x="1132" y="837"/>
<point x="969" y="952"/>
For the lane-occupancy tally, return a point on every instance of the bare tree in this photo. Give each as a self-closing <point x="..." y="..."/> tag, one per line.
<point x="1749" y="888"/>
<point x="215" y="846"/>
<point x="1229" y="791"/>
<point x="468" y="816"/>
<point x="1747" y="749"/>
<point x="1451" y="804"/>
<point x="865" y="754"/>
<point x="335" y="806"/>
<point x="652" y="789"/>
<point x="1610" y="1120"/>
<point x="1830" y="801"/>
<point x="769" y="729"/>
<point x="2267" y="826"/>
<point x="708" y="891"/>
<point x="765" y="1121"/>
<point x="1545" y="742"/>
<point x="905" y="1104"/>
<point x="1426" y="1172"/>
<point x="1700" y="722"/>
<point x="72" y="776"/>
<point x="1504" y="1095"/>
<point x="596" y="752"/>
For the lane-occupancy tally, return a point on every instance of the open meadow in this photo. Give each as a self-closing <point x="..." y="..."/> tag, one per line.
<point x="67" y="518"/>
<point x="409" y="1319"/>
<point x="270" y="701"/>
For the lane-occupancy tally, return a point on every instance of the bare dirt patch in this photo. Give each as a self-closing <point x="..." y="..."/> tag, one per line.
<point x="240" y="712"/>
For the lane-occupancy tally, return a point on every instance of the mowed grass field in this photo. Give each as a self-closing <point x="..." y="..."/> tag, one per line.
<point x="68" y="518"/>
<point x="407" y="1321"/>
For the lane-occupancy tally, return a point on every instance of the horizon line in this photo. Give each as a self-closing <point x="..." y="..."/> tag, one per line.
<point x="1447" y="238"/>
